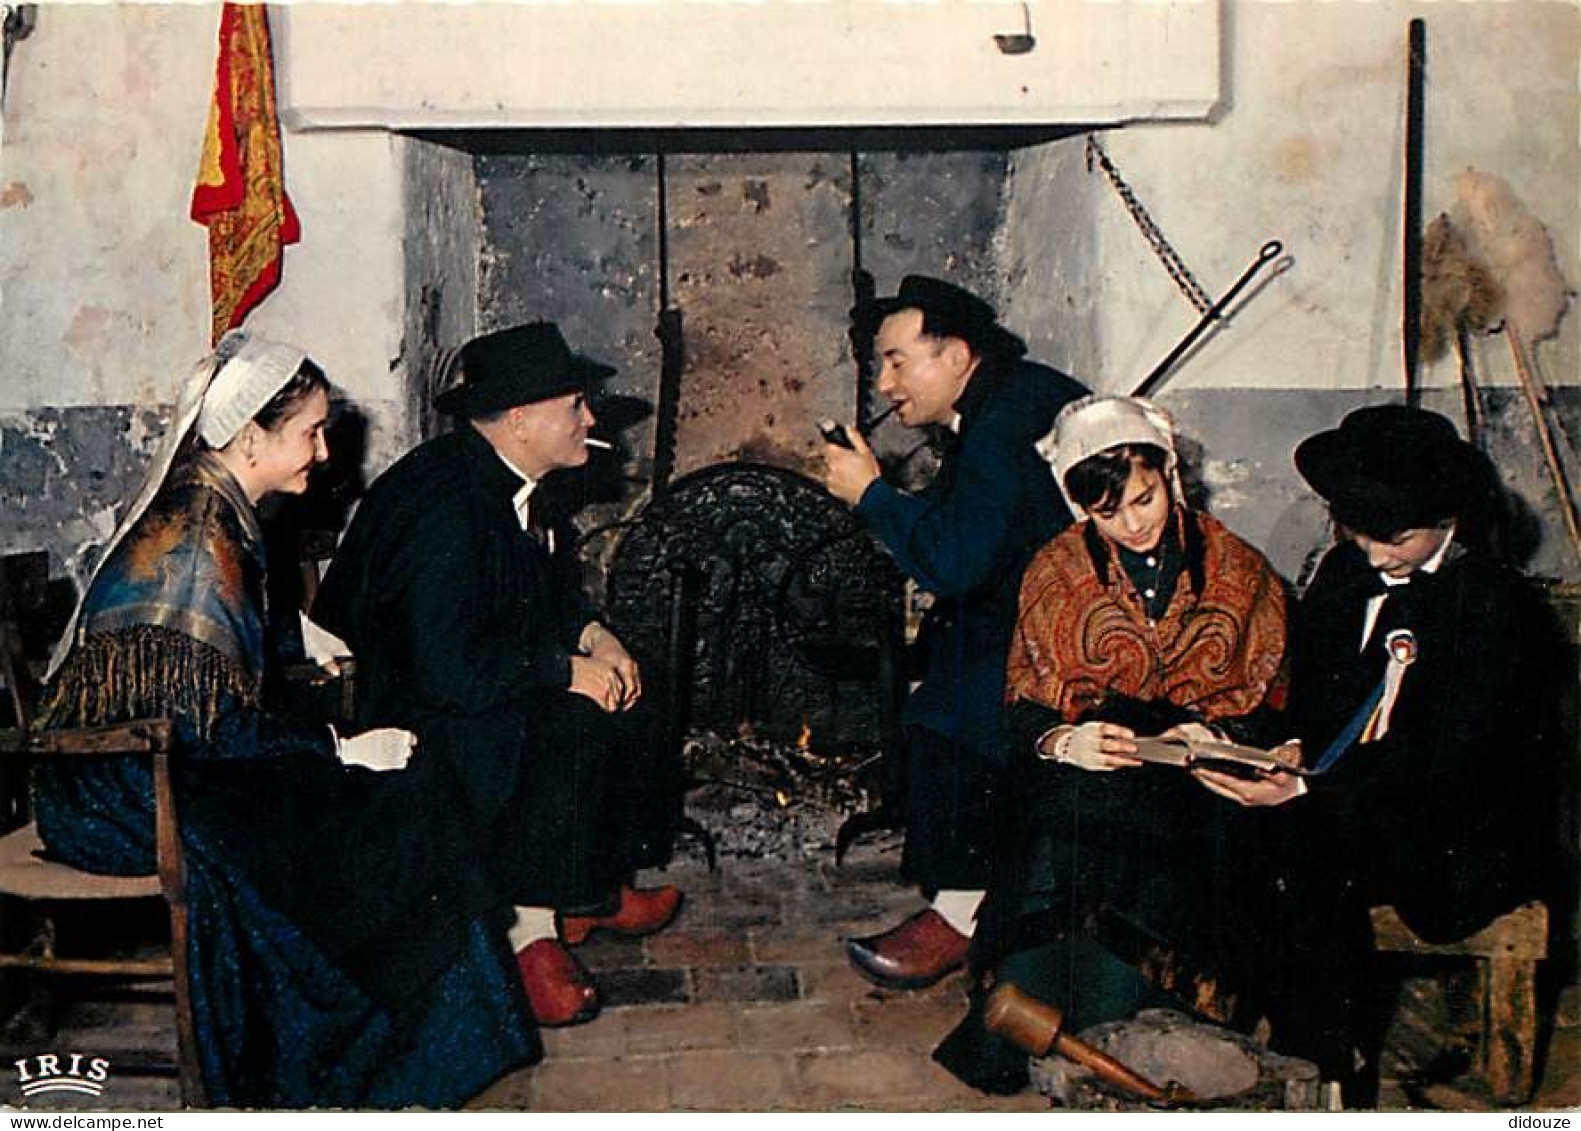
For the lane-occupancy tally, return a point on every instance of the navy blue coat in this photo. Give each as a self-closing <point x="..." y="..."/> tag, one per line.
<point x="967" y="538"/>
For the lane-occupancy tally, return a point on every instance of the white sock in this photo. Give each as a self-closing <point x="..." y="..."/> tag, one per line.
<point x="959" y="909"/>
<point x="532" y="924"/>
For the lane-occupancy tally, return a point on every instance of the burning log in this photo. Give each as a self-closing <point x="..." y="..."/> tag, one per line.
<point x="767" y="799"/>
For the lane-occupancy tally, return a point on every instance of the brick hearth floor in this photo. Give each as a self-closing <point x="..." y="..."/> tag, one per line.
<point x="745" y="1003"/>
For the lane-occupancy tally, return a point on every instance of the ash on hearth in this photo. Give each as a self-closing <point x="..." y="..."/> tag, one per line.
<point x="767" y="799"/>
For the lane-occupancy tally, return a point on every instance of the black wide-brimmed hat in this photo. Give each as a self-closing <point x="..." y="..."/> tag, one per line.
<point x="955" y="312"/>
<point x="521" y="365"/>
<point x="1391" y="468"/>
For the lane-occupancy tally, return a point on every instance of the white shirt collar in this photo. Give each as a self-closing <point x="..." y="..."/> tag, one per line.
<point x="1432" y="563"/>
<point x="521" y="501"/>
<point x="1375" y="603"/>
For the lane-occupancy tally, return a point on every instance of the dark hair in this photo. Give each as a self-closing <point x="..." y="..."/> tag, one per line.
<point x="307" y="380"/>
<point x="1384" y="529"/>
<point x="989" y="341"/>
<point x="1099" y="481"/>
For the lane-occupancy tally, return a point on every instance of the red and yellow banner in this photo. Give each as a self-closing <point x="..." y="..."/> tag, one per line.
<point x="240" y="194"/>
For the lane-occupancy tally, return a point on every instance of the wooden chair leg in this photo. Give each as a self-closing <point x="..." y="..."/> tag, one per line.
<point x="1511" y="1033"/>
<point x="191" y="1076"/>
<point x="173" y="880"/>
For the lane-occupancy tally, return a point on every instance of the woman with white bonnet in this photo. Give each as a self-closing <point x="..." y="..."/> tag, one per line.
<point x="335" y="959"/>
<point x="1144" y="617"/>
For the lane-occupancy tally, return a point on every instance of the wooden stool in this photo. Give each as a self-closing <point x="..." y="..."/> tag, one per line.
<point x="1507" y="951"/>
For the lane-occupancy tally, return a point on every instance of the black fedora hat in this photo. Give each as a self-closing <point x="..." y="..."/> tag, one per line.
<point x="946" y="309"/>
<point x="520" y="365"/>
<point x="1390" y="468"/>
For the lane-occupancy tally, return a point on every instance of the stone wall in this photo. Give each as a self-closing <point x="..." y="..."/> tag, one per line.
<point x="443" y="220"/>
<point x="760" y="259"/>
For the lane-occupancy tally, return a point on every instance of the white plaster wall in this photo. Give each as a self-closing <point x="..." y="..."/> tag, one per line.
<point x="103" y="282"/>
<point x="103" y="277"/>
<point x="103" y="286"/>
<point x="342" y="294"/>
<point x="1307" y="149"/>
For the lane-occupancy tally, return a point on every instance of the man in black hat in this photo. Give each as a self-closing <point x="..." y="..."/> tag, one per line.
<point x="470" y="632"/>
<point x="1424" y="693"/>
<point x="946" y="363"/>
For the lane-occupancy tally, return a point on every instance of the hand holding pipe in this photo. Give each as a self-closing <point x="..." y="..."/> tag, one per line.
<point x="1269" y="252"/>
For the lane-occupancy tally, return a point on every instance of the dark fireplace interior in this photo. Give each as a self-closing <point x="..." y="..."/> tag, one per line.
<point x="716" y="270"/>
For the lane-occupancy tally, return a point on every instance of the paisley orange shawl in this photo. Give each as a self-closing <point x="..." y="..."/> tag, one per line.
<point x="1082" y="633"/>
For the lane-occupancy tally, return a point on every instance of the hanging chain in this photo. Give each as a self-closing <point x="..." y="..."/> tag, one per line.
<point x="1172" y="262"/>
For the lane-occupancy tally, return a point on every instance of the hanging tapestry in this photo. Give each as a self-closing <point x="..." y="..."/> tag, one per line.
<point x="240" y="194"/>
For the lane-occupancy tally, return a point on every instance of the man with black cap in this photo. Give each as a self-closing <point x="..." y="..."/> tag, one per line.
<point x="946" y="363"/>
<point x="470" y="632"/>
<point x="1424" y="696"/>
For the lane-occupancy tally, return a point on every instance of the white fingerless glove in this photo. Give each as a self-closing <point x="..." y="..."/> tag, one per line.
<point x="385" y="748"/>
<point x="1076" y="746"/>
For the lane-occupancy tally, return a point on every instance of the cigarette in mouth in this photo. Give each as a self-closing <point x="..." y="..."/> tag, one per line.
<point x="595" y="442"/>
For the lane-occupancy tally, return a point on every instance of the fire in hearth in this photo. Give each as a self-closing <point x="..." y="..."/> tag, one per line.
<point x="767" y="614"/>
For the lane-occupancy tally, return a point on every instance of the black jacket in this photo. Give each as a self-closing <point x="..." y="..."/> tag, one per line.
<point x="1446" y="816"/>
<point x="456" y="615"/>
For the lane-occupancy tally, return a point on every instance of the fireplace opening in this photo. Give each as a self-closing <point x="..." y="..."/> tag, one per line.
<point x="771" y="623"/>
<point x="716" y="271"/>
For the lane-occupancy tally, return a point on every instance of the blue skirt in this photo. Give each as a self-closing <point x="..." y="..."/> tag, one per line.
<point x="278" y="1024"/>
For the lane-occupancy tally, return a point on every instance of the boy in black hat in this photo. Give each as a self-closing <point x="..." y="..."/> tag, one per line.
<point x="469" y="632"/>
<point x="1424" y="691"/>
<point x="946" y="362"/>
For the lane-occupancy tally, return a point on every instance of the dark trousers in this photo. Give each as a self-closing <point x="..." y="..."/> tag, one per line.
<point x="950" y="793"/>
<point x="594" y="802"/>
<point x="1338" y="862"/>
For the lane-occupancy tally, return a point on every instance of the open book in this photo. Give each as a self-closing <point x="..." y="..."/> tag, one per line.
<point x="1229" y="757"/>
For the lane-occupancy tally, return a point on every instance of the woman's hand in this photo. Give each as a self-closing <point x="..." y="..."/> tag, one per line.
<point x="1269" y="788"/>
<point x="1191" y="732"/>
<point x="1092" y="746"/>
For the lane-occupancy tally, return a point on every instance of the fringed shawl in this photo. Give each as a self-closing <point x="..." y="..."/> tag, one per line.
<point x="1082" y="634"/>
<point x="173" y="623"/>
